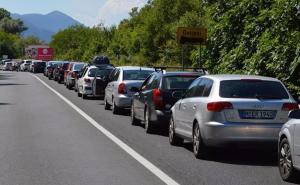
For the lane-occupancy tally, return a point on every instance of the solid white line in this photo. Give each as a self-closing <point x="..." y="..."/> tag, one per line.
<point x="147" y="164"/>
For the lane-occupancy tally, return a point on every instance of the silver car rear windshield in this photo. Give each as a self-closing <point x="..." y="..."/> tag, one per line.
<point x="254" y="89"/>
<point x="136" y="74"/>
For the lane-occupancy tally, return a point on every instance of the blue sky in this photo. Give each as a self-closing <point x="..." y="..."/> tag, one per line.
<point x="88" y="12"/>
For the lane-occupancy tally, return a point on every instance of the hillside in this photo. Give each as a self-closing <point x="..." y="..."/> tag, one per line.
<point x="44" y="26"/>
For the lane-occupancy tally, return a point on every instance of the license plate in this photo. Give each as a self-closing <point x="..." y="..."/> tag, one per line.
<point x="254" y="114"/>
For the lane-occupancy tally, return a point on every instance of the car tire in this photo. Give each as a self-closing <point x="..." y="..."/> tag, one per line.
<point x="149" y="128"/>
<point x="84" y="96"/>
<point x="134" y="121"/>
<point x="106" y="105"/>
<point x="173" y="138"/>
<point x="285" y="163"/>
<point x="115" y="109"/>
<point x="199" y="149"/>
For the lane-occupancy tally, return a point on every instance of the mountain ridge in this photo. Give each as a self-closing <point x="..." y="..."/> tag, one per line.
<point x="44" y="26"/>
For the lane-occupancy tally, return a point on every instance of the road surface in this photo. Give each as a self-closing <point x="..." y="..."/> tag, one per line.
<point x="43" y="140"/>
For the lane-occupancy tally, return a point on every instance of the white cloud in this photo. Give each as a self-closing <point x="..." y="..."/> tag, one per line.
<point x="114" y="11"/>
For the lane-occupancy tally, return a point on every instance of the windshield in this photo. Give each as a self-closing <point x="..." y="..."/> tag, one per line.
<point x="177" y="82"/>
<point x="136" y="74"/>
<point x="257" y="89"/>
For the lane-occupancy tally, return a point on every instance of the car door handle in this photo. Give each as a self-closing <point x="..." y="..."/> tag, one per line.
<point x="183" y="106"/>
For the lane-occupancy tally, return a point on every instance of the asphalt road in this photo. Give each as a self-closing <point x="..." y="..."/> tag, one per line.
<point x="45" y="141"/>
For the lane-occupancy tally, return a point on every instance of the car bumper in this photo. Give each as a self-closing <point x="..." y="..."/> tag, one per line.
<point x="123" y="101"/>
<point x="161" y="117"/>
<point x="218" y="134"/>
<point x="72" y="82"/>
<point x="87" y="90"/>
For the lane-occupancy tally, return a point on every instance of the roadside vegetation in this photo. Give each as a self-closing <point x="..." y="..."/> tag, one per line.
<point x="11" y="42"/>
<point x="246" y="37"/>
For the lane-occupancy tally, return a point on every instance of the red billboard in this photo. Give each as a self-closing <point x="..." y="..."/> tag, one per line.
<point x="45" y="54"/>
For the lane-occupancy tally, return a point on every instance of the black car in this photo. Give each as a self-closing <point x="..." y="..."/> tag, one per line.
<point x="38" y="66"/>
<point x="59" y="70"/>
<point x="101" y="79"/>
<point x="159" y="92"/>
<point x="50" y="68"/>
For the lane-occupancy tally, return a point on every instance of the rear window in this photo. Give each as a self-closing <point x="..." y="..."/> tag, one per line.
<point x="65" y="66"/>
<point x="177" y="82"/>
<point x="92" y="72"/>
<point x="78" y="67"/>
<point x="40" y="63"/>
<point x="136" y="74"/>
<point x="257" y="89"/>
<point x="104" y="72"/>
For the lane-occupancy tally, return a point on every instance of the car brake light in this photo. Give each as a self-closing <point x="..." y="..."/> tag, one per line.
<point x="87" y="80"/>
<point x="122" y="88"/>
<point x="290" y="106"/>
<point x="74" y="75"/>
<point x="219" y="106"/>
<point x="157" y="98"/>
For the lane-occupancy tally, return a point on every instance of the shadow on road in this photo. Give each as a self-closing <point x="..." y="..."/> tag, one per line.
<point x="5" y="104"/>
<point x="241" y="156"/>
<point x="11" y="84"/>
<point x="6" y="76"/>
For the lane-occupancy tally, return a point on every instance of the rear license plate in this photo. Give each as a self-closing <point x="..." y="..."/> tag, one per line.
<point x="255" y="114"/>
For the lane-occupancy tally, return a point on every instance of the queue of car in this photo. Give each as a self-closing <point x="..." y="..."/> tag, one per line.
<point x="207" y="110"/>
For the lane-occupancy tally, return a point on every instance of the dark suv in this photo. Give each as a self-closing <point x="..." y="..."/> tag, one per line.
<point x="38" y="66"/>
<point x="59" y="70"/>
<point x="101" y="79"/>
<point x="159" y="92"/>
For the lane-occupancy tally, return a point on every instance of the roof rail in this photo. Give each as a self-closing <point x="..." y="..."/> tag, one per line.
<point x="194" y="69"/>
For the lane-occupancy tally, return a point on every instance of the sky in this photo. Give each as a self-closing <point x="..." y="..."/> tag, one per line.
<point x="88" y="12"/>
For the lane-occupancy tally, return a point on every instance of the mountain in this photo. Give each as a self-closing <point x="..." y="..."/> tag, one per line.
<point x="44" y="26"/>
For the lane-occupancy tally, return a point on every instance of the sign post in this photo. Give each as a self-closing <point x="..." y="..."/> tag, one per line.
<point x="190" y="35"/>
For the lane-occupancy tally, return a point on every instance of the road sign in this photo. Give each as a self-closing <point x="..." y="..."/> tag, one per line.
<point x="45" y="54"/>
<point x="4" y="56"/>
<point x="191" y="35"/>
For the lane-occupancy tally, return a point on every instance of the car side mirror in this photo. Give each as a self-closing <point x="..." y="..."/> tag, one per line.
<point x="295" y="114"/>
<point x="135" y="89"/>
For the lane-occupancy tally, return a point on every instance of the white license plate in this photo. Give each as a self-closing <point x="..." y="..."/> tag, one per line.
<point x="254" y="114"/>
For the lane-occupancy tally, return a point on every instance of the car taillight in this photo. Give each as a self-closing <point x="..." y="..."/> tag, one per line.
<point x="290" y="106"/>
<point x="158" y="98"/>
<point x="74" y="75"/>
<point x="87" y="80"/>
<point x="219" y="106"/>
<point x="122" y="88"/>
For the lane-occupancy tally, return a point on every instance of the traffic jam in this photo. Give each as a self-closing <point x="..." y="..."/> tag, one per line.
<point x="210" y="111"/>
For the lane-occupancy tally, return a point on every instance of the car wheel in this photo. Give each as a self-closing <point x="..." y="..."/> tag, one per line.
<point x="173" y="138"/>
<point x="148" y="123"/>
<point x="286" y="168"/>
<point x="115" y="109"/>
<point x="106" y="105"/>
<point x="78" y="93"/>
<point x="84" y="96"/>
<point x="134" y="121"/>
<point x="199" y="149"/>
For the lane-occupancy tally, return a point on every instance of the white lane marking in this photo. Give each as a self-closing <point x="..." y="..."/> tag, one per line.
<point x="147" y="164"/>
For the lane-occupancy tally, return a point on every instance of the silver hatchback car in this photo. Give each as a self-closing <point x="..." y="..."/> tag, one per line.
<point x="289" y="148"/>
<point x="221" y="109"/>
<point x="118" y="92"/>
